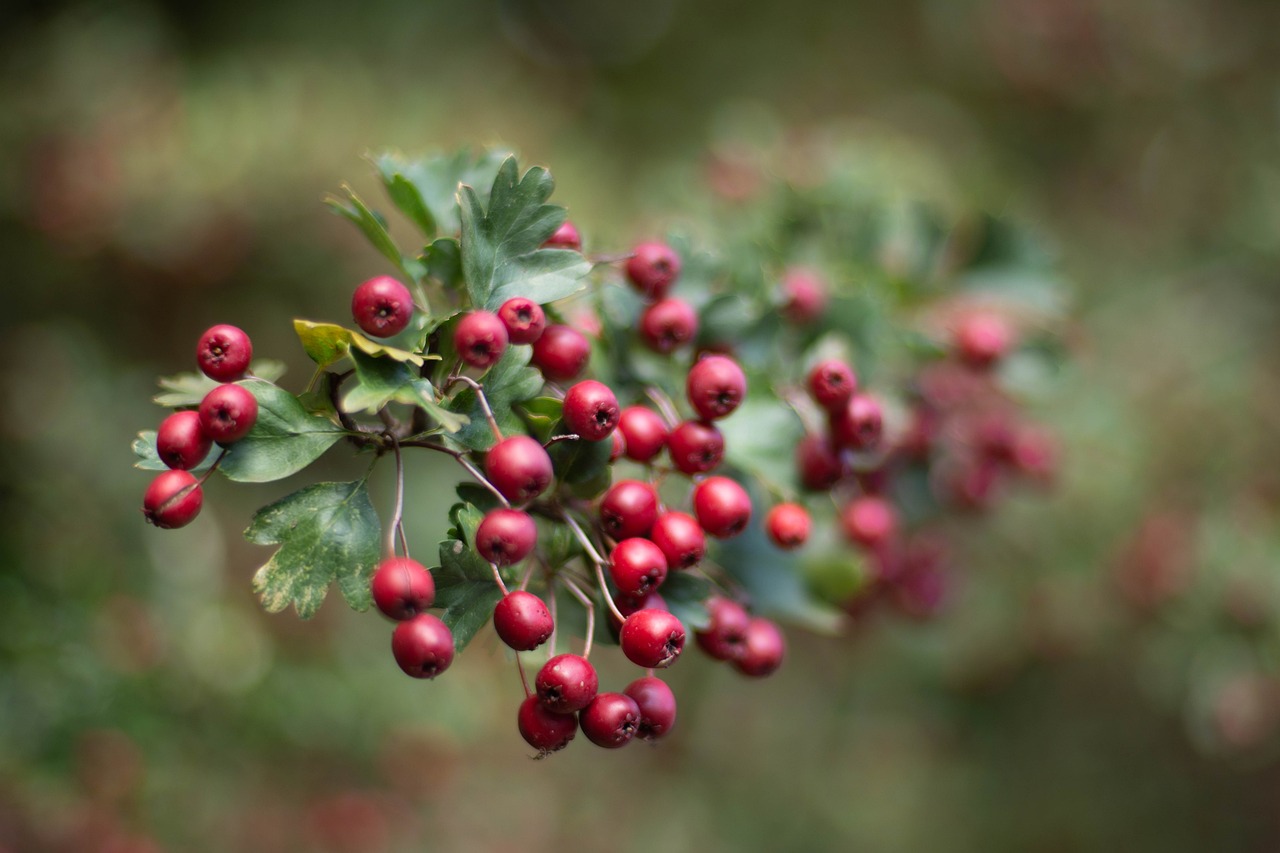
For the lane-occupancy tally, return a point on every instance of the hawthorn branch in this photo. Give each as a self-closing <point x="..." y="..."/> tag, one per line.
<point x="484" y="401"/>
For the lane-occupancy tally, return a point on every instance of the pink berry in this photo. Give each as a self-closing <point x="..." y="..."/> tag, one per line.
<point x="561" y="353"/>
<point x="543" y="730"/>
<point x="611" y="720"/>
<point x="402" y="588"/>
<point x="869" y="521"/>
<point x="645" y="432"/>
<point x="228" y="413"/>
<point x="804" y="295"/>
<point x="519" y="467"/>
<point x="982" y="339"/>
<point x="637" y="567"/>
<point x="506" y="536"/>
<point x="522" y="620"/>
<point x="566" y="683"/>
<point x="566" y="237"/>
<point x="524" y="320"/>
<point x="422" y="646"/>
<point x="860" y="424"/>
<point x="695" y="447"/>
<point x="172" y="500"/>
<point x="721" y="506"/>
<point x="725" y="636"/>
<point x="788" y="525"/>
<point x="716" y="386"/>
<point x="652" y="638"/>
<point x="480" y="339"/>
<point x="657" y="706"/>
<point x="181" y="442"/>
<point x="382" y="307"/>
<point x="668" y="324"/>
<point x="831" y="384"/>
<point x="652" y="269"/>
<point x="591" y="410"/>
<point x="680" y="538"/>
<point x="763" y="649"/>
<point x="224" y="353"/>
<point x="628" y="509"/>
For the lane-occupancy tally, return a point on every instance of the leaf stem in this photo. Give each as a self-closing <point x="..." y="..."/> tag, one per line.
<point x="577" y="593"/>
<point x="484" y="401"/>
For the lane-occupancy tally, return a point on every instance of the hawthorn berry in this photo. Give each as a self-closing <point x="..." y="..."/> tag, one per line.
<point x="480" y="339"/>
<point x="566" y="683"/>
<point x="667" y="324"/>
<point x="657" y="706"/>
<point x="695" y="447"/>
<point x="422" y="646"/>
<point x="591" y="410"/>
<point x="519" y="468"/>
<point x="173" y="499"/>
<point x="227" y="413"/>
<point x="402" y="588"/>
<point x="804" y="295"/>
<point x="611" y="720"/>
<point x="819" y="466"/>
<point x="224" y="353"/>
<point x="982" y="339"/>
<point x="762" y="649"/>
<point x="629" y="509"/>
<point x="181" y="442"/>
<point x="721" y="506"/>
<point x="637" y="566"/>
<point x="561" y="353"/>
<point x="522" y="620"/>
<point x="680" y="538"/>
<point x="716" y="386"/>
<point x="788" y="525"/>
<point x="831" y="384"/>
<point x="869" y="521"/>
<point x="725" y="636"/>
<point x="506" y="536"/>
<point x="523" y="318"/>
<point x="652" y="268"/>
<point x="543" y="730"/>
<point x="565" y="237"/>
<point x="645" y="432"/>
<point x="860" y="424"/>
<point x="652" y="638"/>
<point x="382" y="307"/>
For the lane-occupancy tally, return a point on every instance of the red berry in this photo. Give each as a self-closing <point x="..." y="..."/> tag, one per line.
<point x="695" y="447"/>
<point x="657" y="706"/>
<point x="869" y="521"/>
<point x="645" y="431"/>
<point x="763" y="649"/>
<point x="860" y="424"/>
<point x="524" y="320"/>
<point x="652" y="638"/>
<point x="617" y="446"/>
<point x="652" y="269"/>
<point x="522" y="620"/>
<point x="982" y="339"/>
<point x="804" y="295"/>
<point x="725" y="636"/>
<point x="561" y="353"/>
<point x="716" y="386"/>
<point x="402" y="588"/>
<point x="422" y="646"/>
<point x="629" y="509"/>
<point x="637" y="566"/>
<point x="566" y="683"/>
<point x="831" y="384"/>
<point x="566" y="237"/>
<point x="819" y="466"/>
<point x="591" y="410"/>
<point x="382" y="307"/>
<point x="611" y="720"/>
<point x="181" y="442"/>
<point x="506" y="536"/>
<point x="667" y="324"/>
<point x="172" y="500"/>
<point x="519" y="467"/>
<point x="788" y="525"/>
<point x="680" y="538"/>
<point x="228" y="412"/>
<point x="1035" y="454"/>
<point x="543" y="730"/>
<point x="480" y="339"/>
<point x="721" y="506"/>
<point x="224" y="353"/>
<point x="628" y="604"/>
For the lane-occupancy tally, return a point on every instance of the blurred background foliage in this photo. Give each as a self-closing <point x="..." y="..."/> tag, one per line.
<point x="1107" y="675"/>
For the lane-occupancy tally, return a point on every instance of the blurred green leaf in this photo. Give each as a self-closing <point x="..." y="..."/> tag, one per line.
<point x="188" y="389"/>
<point x="684" y="593"/>
<point x="436" y="180"/>
<point x="374" y="229"/>
<point x="284" y="440"/>
<point x="444" y="261"/>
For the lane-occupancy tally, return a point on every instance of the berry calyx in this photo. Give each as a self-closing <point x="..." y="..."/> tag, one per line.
<point x="591" y="410"/>
<point x="565" y="237"/>
<point x="667" y="324"/>
<point x="788" y="525"/>
<point x="561" y="353"/>
<point x="831" y="384"/>
<point x="869" y="521"/>
<point x="522" y="620"/>
<point x="480" y="339"/>
<point x="819" y="466"/>
<point x="716" y="386"/>
<point x="629" y="509"/>
<point x="637" y="567"/>
<point x="657" y="706"/>
<point x="982" y="339"/>
<point x="652" y="638"/>
<point x="382" y="307"/>
<point x="172" y="500"/>
<point x="519" y="468"/>
<point x="611" y="720"/>
<point x="860" y="424"/>
<point x="725" y="636"/>
<point x="644" y="431"/>
<point x="652" y="268"/>
<point x="224" y="353"/>
<point x="422" y="646"/>
<point x="402" y="588"/>
<point x="506" y="536"/>
<point x="680" y="538"/>
<point x="181" y="442"/>
<point x="804" y="295"/>
<point x="227" y="413"/>
<point x="543" y="730"/>
<point x="695" y="447"/>
<point x="721" y="506"/>
<point x="524" y="319"/>
<point x="566" y="683"/>
<point x="763" y="649"/>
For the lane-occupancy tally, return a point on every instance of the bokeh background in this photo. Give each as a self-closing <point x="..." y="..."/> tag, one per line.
<point x="1108" y="673"/>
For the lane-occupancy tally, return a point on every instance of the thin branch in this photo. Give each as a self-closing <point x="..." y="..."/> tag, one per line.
<point x="664" y="404"/>
<point x="389" y="542"/>
<point x="461" y="458"/>
<point x="497" y="576"/>
<point x="556" y="439"/>
<point x="591" y="614"/>
<point x="608" y="599"/>
<point x="484" y="401"/>
<point x="582" y="538"/>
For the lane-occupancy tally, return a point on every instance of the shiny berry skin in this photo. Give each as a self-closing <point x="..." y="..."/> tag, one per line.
<point x="519" y="467"/>
<point x="788" y="525"/>
<point x="566" y="237"/>
<point x="402" y="588"/>
<point x="561" y="353"/>
<point x="652" y="269"/>
<point x="804" y="295"/>
<point x="566" y="683"/>
<point x="543" y="730"/>
<point x="818" y="465"/>
<point x="591" y="410"/>
<point x="629" y="509"/>
<point x="422" y="646"/>
<point x="645" y="432"/>
<point x="652" y="638"/>
<point x="667" y="324"/>
<point x="637" y="566"/>
<point x="716" y="386"/>
<point x="680" y="538"/>
<point x="480" y="339"/>
<point x="524" y="320"/>
<point x="831" y="384"/>
<point x="181" y="442"/>
<point x="763" y="649"/>
<point x="869" y="521"/>
<point x="172" y="500"/>
<point x="725" y="636"/>
<point x="657" y="706"/>
<point x="224" y="353"/>
<point x="982" y="339"/>
<point x="506" y="536"/>
<point x="227" y="413"/>
<point x="860" y="425"/>
<point x="611" y="720"/>
<point x="522" y="620"/>
<point x="695" y="447"/>
<point x="382" y="307"/>
<point x="721" y="506"/>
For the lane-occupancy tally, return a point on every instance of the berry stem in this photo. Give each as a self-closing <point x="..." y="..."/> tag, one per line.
<point x="484" y="401"/>
<point x="462" y="460"/>
<point x="556" y="439"/>
<point x="212" y="468"/>
<point x="397" y="515"/>
<point x="799" y="405"/>
<point x="577" y="593"/>
<point x="664" y="404"/>
<point x="597" y="560"/>
<point x="497" y="576"/>
<point x="524" y="682"/>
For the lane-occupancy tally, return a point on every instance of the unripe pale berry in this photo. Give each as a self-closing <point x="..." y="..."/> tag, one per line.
<point x="228" y="413"/>
<point x="561" y="353"/>
<point x="788" y="525"/>
<point x="818" y="465"/>
<point x="652" y="638"/>
<point x="716" y="386"/>
<point x="522" y="620"/>
<point x="628" y="509"/>
<point x="869" y="521"/>
<point x="524" y="320"/>
<point x="506" y="536"/>
<point x="680" y="538"/>
<point x="402" y="588"/>
<point x="224" y="353"/>
<point x="566" y="683"/>
<point x="543" y="730"/>
<point x="591" y="410"/>
<point x="172" y="500"/>
<point x="181" y="442"/>
<point x="645" y="432"/>
<point x="721" y="506"/>
<point x="657" y="706"/>
<point x="652" y="269"/>
<point x="804" y="295"/>
<point x="422" y="646"/>
<point x="725" y="636"/>
<point x="763" y="649"/>
<point x="519" y="467"/>
<point x="982" y="339"/>
<point x="860" y="424"/>
<point x="637" y="566"/>
<point x="565" y="237"/>
<point x="831" y="384"/>
<point x="667" y="324"/>
<point x="382" y="307"/>
<point x="695" y="447"/>
<point x="480" y="339"/>
<point x="611" y="720"/>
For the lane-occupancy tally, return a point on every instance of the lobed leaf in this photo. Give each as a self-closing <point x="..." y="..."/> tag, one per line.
<point x="435" y="181"/>
<point x="285" y="439"/>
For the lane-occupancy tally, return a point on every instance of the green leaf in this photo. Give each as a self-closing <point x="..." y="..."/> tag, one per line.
<point x="326" y="532"/>
<point x="465" y="586"/>
<point x="540" y="415"/>
<point x="284" y="440"/>
<point x="477" y="495"/>
<point x="144" y="447"/>
<point x="684" y="594"/>
<point x="436" y="181"/>
<point x="184" y="390"/>
<point x="580" y="461"/>
<point x="405" y="195"/>
<point x="444" y="261"/>
<point x="373" y="227"/>
<point x="325" y="343"/>
<point x="760" y="438"/>
<point x="507" y="383"/>
<point x="380" y="381"/>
